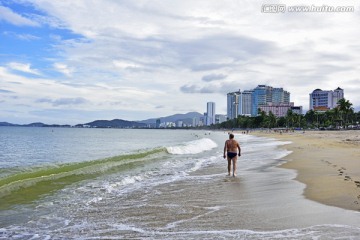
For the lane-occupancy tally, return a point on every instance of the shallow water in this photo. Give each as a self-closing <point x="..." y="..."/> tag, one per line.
<point x="178" y="191"/>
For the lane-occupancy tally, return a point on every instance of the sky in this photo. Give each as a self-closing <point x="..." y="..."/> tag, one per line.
<point x="75" y="61"/>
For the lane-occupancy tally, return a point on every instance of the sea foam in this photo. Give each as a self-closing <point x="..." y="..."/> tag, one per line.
<point x="193" y="147"/>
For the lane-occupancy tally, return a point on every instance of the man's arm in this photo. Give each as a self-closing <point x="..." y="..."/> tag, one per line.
<point x="238" y="145"/>
<point x="225" y="148"/>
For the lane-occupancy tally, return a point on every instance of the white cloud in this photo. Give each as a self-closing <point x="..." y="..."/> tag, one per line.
<point x="64" y="69"/>
<point x="139" y="55"/>
<point x="27" y="37"/>
<point x="8" y="15"/>
<point x="23" y="67"/>
<point x="124" y="65"/>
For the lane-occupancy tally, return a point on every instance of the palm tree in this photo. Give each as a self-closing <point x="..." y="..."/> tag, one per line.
<point x="345" y="108"/>
<point x="272" y="120"/>
<point x="290" y="118"/>
<point x="310" y="116"/>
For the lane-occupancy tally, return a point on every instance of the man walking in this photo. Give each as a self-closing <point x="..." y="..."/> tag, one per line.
<point x="230" y="151"/>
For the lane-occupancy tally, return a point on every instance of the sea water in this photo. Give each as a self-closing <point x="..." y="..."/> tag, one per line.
<point x="67" y="183"/>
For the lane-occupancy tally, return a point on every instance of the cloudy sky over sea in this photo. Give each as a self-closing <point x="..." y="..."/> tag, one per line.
<point x="74" y="61"/>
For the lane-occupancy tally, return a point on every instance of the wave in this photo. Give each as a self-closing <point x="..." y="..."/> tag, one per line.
<point x="193" y="147"/>
<point x="27" y="186"/>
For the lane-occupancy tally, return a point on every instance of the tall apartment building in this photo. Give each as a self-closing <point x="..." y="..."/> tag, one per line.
<point x="280" y="96"/>
<point x="263" y="97"/>
<point x="210" y="113"/>
<point x="245" y="103"/>
<point x="232" y="104"/>
<point x="239" y="103"/>
<point x="324" y="100"/>
<point x="219" y="118"/>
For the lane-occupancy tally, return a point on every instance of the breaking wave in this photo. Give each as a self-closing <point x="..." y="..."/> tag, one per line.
<point x="193" y="147"/>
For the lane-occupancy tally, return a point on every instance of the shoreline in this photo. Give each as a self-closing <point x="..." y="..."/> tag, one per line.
<point x="327" y="162"/>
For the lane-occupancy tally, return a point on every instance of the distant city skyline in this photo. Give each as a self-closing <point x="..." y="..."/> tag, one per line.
<point x="69" y="62"/>
<point x="266" y="98"/>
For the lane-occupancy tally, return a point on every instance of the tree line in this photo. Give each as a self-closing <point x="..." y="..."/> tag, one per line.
<point x="341" y="117"/>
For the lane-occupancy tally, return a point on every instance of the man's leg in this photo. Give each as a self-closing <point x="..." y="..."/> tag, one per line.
<point x="229" y="166"/>
<point x="234" y="166"/>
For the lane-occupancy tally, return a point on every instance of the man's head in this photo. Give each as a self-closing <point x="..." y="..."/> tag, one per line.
<point x="231" y="136"/>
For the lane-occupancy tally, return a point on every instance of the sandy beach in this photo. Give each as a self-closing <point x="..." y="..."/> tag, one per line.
<point x="328" y="162"/>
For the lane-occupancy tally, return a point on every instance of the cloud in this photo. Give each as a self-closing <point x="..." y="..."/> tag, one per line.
<point x="21" y="36"/>
<point x="63" y="101"/>
<point x="156" y="57"/>
<point x="6" y="14"/>
<point x="64" y="69"/>
<point x="23" y="67"/>
<point x="27" y="37"/>
<point x="5" y="91"/>
<point x="213" y="77"/>
<point x="198" y="89"/>
<point x="216" y="87"/>
<point x="125" y="65"/>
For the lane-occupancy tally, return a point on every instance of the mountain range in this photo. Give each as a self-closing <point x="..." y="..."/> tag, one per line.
<point x="120" y="123"/>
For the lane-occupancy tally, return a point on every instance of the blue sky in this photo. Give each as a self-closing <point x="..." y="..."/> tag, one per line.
<point x="77" y="61"/>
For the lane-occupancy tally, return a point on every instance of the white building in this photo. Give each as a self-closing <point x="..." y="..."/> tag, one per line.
<point x="210" y="113"/>
<point x="232" y="105"/>
<point x="245" y="103"/>
<point x="327" y="99"/>
<point x="219" y="118"/>
<point x="179" y="124"/>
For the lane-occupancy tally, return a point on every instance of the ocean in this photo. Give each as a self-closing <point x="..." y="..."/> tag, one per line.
<point x="78" y="183"/>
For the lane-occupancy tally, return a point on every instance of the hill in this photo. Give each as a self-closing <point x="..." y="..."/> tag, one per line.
<point x="6" y="124"/>
<point x="115" y="123"/>
<point x="186" y="118"/>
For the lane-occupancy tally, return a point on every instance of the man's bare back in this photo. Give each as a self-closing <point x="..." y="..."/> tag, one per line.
<point x="232" y="145"/>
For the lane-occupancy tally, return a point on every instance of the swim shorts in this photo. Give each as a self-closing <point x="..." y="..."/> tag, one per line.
<point x="231" y="155"/>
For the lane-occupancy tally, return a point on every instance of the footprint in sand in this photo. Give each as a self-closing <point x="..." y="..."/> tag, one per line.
<point x="347" y="178"/>
<point x="357" y="184"/>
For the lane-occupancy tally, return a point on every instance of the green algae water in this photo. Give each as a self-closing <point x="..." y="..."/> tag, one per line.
<point x="30" y="184"/>
<point x="68" y="183"/>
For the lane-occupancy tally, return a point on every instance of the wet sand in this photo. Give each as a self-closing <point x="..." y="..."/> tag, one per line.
<point x="328" y="162"/>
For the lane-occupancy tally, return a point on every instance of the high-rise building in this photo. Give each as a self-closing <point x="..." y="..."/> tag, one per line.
<point x="195" y="122"/>
<point x="158" y="122"/>
<point x="325" y="100"/>
<point x="219" y="118"/>
<point x="261" y="95"/>
<point x="280" y="96"/>
<point x="210" y="113"/>
<point x="266" y="98"/>
<point x="245" y="103"/>
<point x="233" y="104"/>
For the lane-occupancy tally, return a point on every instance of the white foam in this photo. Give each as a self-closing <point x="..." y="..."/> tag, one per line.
<point x="94" y="200"/>
<point x="128" y="180"/>
<point x="193" y="147"/>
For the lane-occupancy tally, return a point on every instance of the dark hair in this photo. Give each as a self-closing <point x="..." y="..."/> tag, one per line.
<point x="231" y="136"/>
